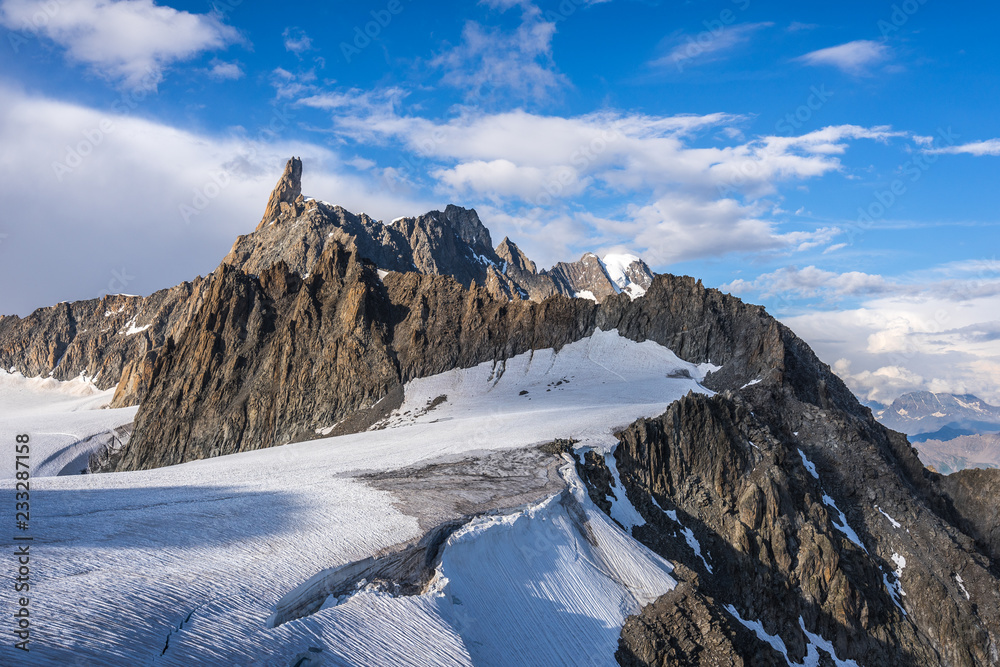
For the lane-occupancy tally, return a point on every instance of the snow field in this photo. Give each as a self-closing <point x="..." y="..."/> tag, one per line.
<point x="183" y="565"/>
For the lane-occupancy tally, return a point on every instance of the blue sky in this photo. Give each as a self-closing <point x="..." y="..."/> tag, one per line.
<point x="836" y="163"/>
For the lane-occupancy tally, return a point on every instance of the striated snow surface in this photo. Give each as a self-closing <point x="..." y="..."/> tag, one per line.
<point x="60" y="417"/>
<point x="184" y="565"/>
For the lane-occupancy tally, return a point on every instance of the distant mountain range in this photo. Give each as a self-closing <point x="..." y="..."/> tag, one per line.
<point x="923" y="415"/>
<point x="965" y="451"/>
<point x="440" y="457"/>
<point x="951" y="431"/>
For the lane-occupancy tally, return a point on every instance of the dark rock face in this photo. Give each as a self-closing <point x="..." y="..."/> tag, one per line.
<point x="811" y="518"/>
<point x="684" y="627"/>
<point x="99" y="338"/>
<point x="285" y="196"/>
<point x="115" y="340"/>
<point x="730" y="467"/>
<point x="263" y="358"/>
<point x="453" y="242"/>
<point x="271" y="358"/>
<point x="976" y="495"/>
<point x="586" y="275"/>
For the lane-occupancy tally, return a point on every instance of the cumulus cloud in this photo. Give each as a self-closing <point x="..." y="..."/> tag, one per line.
<point x="688" y="200"/>
<point x="297" y="41"/>
<point x="810" y="282"/>
<point x="144" y="199"/>
<point x="495" y="63"/>
<point x="853" y="57"/>
<point x="904" y="343"/>
<point x="955" y="281"/>
<point x="129" y="41"/>
<point x="223" y="71"/>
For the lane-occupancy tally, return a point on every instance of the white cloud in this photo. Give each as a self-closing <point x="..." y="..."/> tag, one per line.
<point x="130" y="41"/>
<point x="224" y="71"/>
<point x="810" y="282"/>
<point x="934" y="330"/>
<point x="297" y="41"/>
<point x="956" y="281"/>
<point x="978" y="148"/>
<point x="117" y="200"/>
<point x="493" y="63"/>
<point x="900" y="344"/>
<point x="853" y="57"/>
<point x="502" y="178"/>
<point x="688" y="200"/>
<point x="707" y="46"/>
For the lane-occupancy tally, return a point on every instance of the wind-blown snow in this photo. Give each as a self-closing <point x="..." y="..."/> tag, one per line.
<point x="192" y="558"/>
<point x="131" y="329"/>
<point x="814" y="642"/>
<point x="894" y="591"/>
<point x="774" y="641"/>
<point x="689" y="537"/>
<point x="843" y="526"/>
<point x="810" y="466"/>
<point x="961" y="585"/>
<point x="541" y="581"/>
<point x="895" y="524"/>
<point x="617" y="266"/>
<point x="622" y="509"/>
<point x="59" y="417"/>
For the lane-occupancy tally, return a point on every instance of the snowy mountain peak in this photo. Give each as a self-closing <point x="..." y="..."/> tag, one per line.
<point x="451" y="242"/>
<point x="923" y="414"/>
<point x="629" y="273"/>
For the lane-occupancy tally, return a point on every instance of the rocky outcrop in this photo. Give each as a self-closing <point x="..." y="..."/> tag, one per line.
<point x="286" y="196"/>
<point x="267" y="359"/>
<point x="975" y="495"/>
<point x="814" y="521"/>
<point x="453" y="242"/>
<point x="585" y="277"/>
<point x="264" y="358"/>
<point x="99" y="338"/>
<point x="684" y="627"/>
<point x="114" y="340"/>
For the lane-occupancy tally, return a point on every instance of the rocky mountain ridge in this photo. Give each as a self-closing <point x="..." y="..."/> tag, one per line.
<point x="114" y="340"/>
<point x="802" y="530"/>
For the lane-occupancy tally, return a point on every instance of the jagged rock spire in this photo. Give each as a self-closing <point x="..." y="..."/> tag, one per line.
<point x="288" y="189"/>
